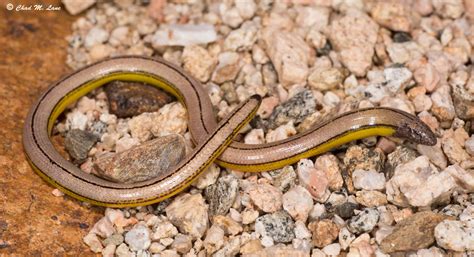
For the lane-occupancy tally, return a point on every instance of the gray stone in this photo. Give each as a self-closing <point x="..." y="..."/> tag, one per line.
<point x="365" y="221"/>
<point x="358" y="157"/>
<point x="401" y="37"/>
<point x="463" y="102"/>
<point x="279" y="226"/>
<point x="221" y="195"/>
<point x="346" y="210"/>
<point x="283" y="178"/>
<point x="78" y="143"/>
<point x="115" y="239"/>
<point x="295" y="109"/>
<point x="400" y="155"/>
<point x="161" y="206"/>
<point x="230" y="95"/>
<point x="452" y="210"/>
<point x="98" y="128"/>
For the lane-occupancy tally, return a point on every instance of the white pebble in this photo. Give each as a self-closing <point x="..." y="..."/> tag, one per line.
<point x="368" y="180"/>
<point x="298" y="203"/>
<point x="138" y="238"/>
<point x="214" y="239"/>
<point x="95" y="36"/>
<point x="301" y="231"/>
<point x="455" y="235"/>
<point x="345" y="238"/>
<point x="109" y="250"/>
<point x="123" y="251"/>
<point x="318" y="211"/>
<point x="332" y="249"/>
<point x="93" y="242"/>
<point x="163" y="230"/>
<point x="280" y="133"/>
<point x="469" y="145"/>
<point x="184" y="35"/>
<point x="76" y="120"/>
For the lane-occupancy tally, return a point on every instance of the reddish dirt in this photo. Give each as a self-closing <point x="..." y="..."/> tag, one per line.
<point x="33" y="222"/>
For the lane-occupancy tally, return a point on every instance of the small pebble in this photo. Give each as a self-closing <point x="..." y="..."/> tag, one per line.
<point x="214" y="239"/>
<point x="469" y="145"/>
<point x="326" y="79"/>
<point x="346" y="210"/>
<point x="78" y="143"/>
<point x="324" y="232"/>
<point x="443" y="107"/>
<point x="164" y="230"/>
<point x="368" y="180"/>
<point x="251" y="246"/>
<point x="295" y="109"/>
<point x="75" y="7"/>
<point x="314" y="180"/>
<point x="109" y="251"/>
<point x="284" y="178"/>
<point x="266" y="197"/>
<point x="371" y="198"/>
<point x="354" y="36"/>
<point x="227" y="68"/>
<point x="208" y="177"/>
<point x="190" y="214"/>
<point x="115" y="239"/>
<point x="221" y="195"/>
<point x="455" y="235"/>
<point x="393" y="15"/>
<point x="93" y="242"/>
<point x="298" y="203"/>
<point x="332" y="249"/>
<point x="198" y="62"/>
<point x="330" y="165"/>
<point x="138" y="238"/>
<point x="104" y="228"/>
<point x="182" y="243"/>
<point x="123" y="251"/>
<point x="345" y="238"/>
<point x="289" y="54"/>
<point x="365" y="221"/>
<point x="95" y="36"/>
<point x="418" y="183"/>
<point x="229" y="226"/>
<point x="249" y="216"/>
<point x="278" y="226"/>
<point x="399" y="156"/>
<point x="301" y="231"/>
<point x="56" y="192"/>
<point x="184" y="35"/>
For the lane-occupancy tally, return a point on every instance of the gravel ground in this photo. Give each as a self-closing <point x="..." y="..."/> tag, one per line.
<point x="307" y="60"/>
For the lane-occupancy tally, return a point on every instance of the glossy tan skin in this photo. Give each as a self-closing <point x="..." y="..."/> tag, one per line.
<point x="210" y="138"/>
